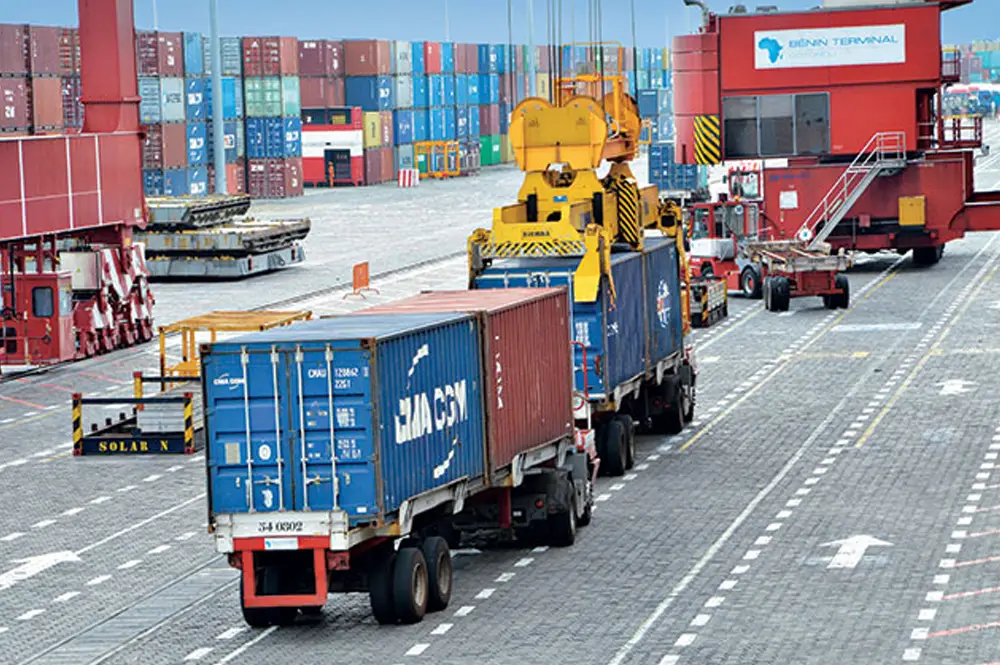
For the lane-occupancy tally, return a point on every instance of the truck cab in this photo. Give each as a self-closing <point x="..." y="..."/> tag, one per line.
<point x="718" y="232"/>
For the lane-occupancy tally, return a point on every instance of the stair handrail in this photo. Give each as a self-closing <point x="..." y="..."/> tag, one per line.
<point x="882" y="148"/>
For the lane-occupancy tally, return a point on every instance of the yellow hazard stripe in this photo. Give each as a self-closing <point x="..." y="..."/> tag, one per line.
<point x="707" y="140"/>
<point x="188" y="426"/>
<point x="77" y="426"/>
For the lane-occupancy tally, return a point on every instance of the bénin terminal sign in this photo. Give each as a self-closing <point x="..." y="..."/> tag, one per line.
<point x="830" y="47"/>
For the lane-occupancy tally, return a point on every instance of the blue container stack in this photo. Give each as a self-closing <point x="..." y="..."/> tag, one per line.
<point x="670" y="176"/>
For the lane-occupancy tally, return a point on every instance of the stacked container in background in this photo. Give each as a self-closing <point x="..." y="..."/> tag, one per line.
<point x="31" y="90"/>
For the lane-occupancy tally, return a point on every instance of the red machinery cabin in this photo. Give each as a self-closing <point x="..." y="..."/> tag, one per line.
<point x="812" y="93"/>
<point x="717" y="233"/>
<point x="48" y="332"/>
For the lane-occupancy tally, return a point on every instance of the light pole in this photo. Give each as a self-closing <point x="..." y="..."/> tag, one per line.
<point x="219" y="135"/>
<point x="532" y="78"/>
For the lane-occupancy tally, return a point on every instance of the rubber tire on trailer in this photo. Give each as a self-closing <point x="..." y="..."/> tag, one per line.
<point x="613" y="460"/>
<point x="674" y="423"/>
<point x="380" y="589"/>
<point x="439" y="573"/>
<point x="562" y="526"/>
<point x="688" y="410"/>
<point x="265" y="617"/>
<point x="781" y="297"/>
<point x="750" y="283"/>
<point x="927" y="256"/>
<point x="768" y="289"/>
<point x="587" y="515"/>
<point x="410" y="585"/>
<point x="843" y="299"/>
<point x="629" y="426"/>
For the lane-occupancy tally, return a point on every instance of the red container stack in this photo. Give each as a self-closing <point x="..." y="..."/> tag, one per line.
<point x="165" y="146"/>
<point x="388" y="169"/>
<point x="235" y="177"/>
<point x="44" y="51"/>
<point x="46" y="103"/>
<point x="432" y="57"/>
<point x="69" y="52"/>
<point x="14" y="111"/>
<point x="15" y="52"/>
<point x="257" y="178"/>
<point x="274" y="178"/>
<point x="373" y="166"/>
<point x="321" y="73"/>
<point x="366" y="57"/>
<point x="270" y="56"/>
<point x="160" y="53"/>
<point x="526" y="359"/>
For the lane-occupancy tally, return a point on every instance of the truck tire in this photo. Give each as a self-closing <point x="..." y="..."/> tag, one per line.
<point x="614" y="459"/>
<point x="410" y="585"/>
<point x="750" y="283"/>
<point x="380" y="589"/>
<point x="768" y="289"/>
<point x="562" y="526"/>
<point x="927" y="256"/>
<point x="439" y="573"/>
<point x="782" y="294"/>
<point x="264" y="617"/>
<point x="843" y="299"/>
<point x="629" y="426"/>
<point x="688" y="399"/>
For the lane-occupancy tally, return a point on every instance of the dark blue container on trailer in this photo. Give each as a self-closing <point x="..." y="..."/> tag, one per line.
<point x="152" y="182"/>
<point x="407" y="416"/>
<point x="402" y="127"/>
<point x="626" y="334"/>
<point x="417" y="58"/>
<point x="371" y="93"/>
<point x="421" y="131"/>
<point x="648" y="103"/>
<point x="194" y="105"/>
<point x="197" y="138"/>
<point x="421" y="94"/>
<point x="229" y="140"/>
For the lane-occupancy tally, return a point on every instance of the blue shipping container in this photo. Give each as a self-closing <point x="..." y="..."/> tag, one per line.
<point x="175" y="182"/>
<point x="505" y="118"/>
<point x="194" y="54"/>
<point x="667" y="175"/>
<point x="436" y="125"/>
<point x="198" y="181"/>
<point x="293" y="137"/>
<point x="487" y="59"/>
<point x="421" y="126"/>
<point x="489" y="89"/>
<point x="232" y="98"/>
<point x="449" y="90"/>
<point x="648" y="103"/>
<point x="619" y="332"/>
<point x="406" y="418"/>
<point x="230" y="139"/>
<point x="402" y="127"/>
<point x="502" y="53"/>
<point x="447" y="58"/>
<point x="149" y="104"/>
<point x="435" y="88"/>
<point x="474" y="128"/>
<point x="196" y="109"/>
<point x="450" y="124"/>
<point x="417" y="58"/>
<point x="274" y="138"/>
<point x="152" y="182"/>
<point x="197" y="139"/>
<point x="461" y="90"/>
<point x="475" y="96"/>
<point x="371" y="93"/>
<point x="421" y="95"/>
<point x="462" y="122"/>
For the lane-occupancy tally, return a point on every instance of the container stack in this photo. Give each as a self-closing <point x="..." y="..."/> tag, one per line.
<point x="273" y="117"/>
<point x="489" y="67"/>
<point x="370" y="86"/>
<point x="69" y="73"/>
<point x="30" y="83"/>
<point x="234" y="136"/>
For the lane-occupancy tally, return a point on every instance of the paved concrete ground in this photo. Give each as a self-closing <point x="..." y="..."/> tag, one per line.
<point x="835" y="500"/>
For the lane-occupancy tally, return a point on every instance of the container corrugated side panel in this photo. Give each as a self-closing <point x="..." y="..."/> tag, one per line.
<point x="625" y="322"/>
<point x="663" y="298"/>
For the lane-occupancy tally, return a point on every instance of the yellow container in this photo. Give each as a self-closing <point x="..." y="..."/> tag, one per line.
<point x="506" y="150"/>
<point x="543" y="89"/>
<point x="666" y="58"/>
<point x="373" y="129"/>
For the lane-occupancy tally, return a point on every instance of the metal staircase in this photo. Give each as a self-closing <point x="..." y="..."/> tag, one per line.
<point x="884" y="151"/>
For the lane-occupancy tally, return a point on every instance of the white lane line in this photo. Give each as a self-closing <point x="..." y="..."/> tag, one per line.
<point x="442" y="629"/>
<point x="230" y="634"/>
<point x="417" y="649"/>
<point x="783" y="515"/>
<point x="246" y="646"/>
<point x="101" y="499"/>
<point x="727" y="585"/>
<point x="715" y="601"/>
<point x="927" y="615"/>
<point x="73" y="511"/>
<point x="669" y="660"/>
<point x="484" y="594"/>
<point x="130" y="564"/>
<point x="686" y="639"/>
<point x="10" y="537"/>
<point x="127" y="488"/>
<point x="151" y="478"/>
<point x="160" y="549"/>
<point x="69" y="595"/>
<point x="504" y="577"/>
<point x="176" y="467"/>
<point x="911" y="654"/>
<point x="617" y="486"/>
<point x="198" y="654"/>
<point x="602" y="497"/>
<point x="701" y="620"/>
<point x="540" y="549"/>
<point x="934" y="596"/>
<point x="641" y="467"/>
<point x="751" y="555"/>
<point x="739" y="570"/>
<point x="464" y="610"/>
<point x="941" y="579"/>
<point x="954" y="548"/>
<point x="919" y="634"/>
<point x="185" y="536"/>
<point x="763" y="540"/>
<point x="30" y="614"/>
<point x="43" y="524"/>
<point x="99" y="580"/>
<point x="773" y="526"/>
<point x="526" y="561"/>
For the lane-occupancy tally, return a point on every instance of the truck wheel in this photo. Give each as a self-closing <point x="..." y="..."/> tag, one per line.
<point x="439" y="573"/>
<point x="410" y="585"/>
<point x="782" y="294"/>
<point x="264" y="617"/>
<point x="927" y="256"/>
<point x="615" y="443"/>
<point x="380" y="589"/>
<point x="687" y="399"/>
<point x="629" y="426"/>
<point x="843" y="299"/>
<point x="562" y="526"/>
<point x="768" y="294"/>
<point x="750" y="283"/>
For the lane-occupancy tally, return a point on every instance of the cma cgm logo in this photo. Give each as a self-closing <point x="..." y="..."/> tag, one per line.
<point x="425" y="412"/>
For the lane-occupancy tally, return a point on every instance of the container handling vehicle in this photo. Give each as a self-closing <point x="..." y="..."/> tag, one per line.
<point x="352" y="453"/>
<point x="766" y="86"/>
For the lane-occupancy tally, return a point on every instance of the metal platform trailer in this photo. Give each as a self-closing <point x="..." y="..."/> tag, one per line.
<point x="170" y="421"/>
<point x="614" y="244"/>
<point x="352" y="453"/>
<point x="209" y="237"/>
<point x="709" y="301"/>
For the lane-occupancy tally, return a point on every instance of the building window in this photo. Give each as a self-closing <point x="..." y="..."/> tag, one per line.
<point x="776" y="125"/>
<point x="740" y="114"/>
<point x="41" y="301"/>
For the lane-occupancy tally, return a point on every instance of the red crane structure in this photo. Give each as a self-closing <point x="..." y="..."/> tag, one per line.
<point x="72" y="283"/>
<point x="842" y="106"/>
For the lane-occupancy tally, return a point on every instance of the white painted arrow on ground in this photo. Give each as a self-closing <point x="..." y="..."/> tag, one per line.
<point x="33" y="565"/>
<point x="852" y="550"/>
<point x="955" y="386"/>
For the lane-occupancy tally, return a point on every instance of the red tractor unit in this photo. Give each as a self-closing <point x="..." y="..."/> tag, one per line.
<point x="72" y="283"/>
<point x="842" y="106"/>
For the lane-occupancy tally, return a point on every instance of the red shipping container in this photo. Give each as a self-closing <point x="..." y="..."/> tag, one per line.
<point x="46" y="102"/>
<point x="171" y="54"/>
<point x="148" y="49"/>
<point x="366" y="57"/>
<point x="543" y="58"/>
<point x="518" y="59"/>
<point x="432" y="57"/>
<point x="388" y="164"/>
<point x="69" y="51"/>
<point x="276" y="179"/>
<point x="257" y="178"/>
<point x="72" y="107"/>
<point x="312" y="91"/>
<point x="335" y="95"/>
<point x="373" y="166"/>
<point x="387" y="124"/>
<point x="293" y="176"/>
<point x="489" y="120"/>
<point x="175" y="145"/>
<point x="461" y="58"/>
<point x="335" y="57"/>
<point x="235" y="178"/>
<point x="528" y="380"/>
<point x="14" y="50"/>
<point x="14" y="103"/>
<point x="44" y="50"/>
<point x="288" y="60"/>
<point x="152" y="147"/>
<point x="313" y="58"/>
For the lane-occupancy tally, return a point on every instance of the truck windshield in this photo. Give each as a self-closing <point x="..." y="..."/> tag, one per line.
<point x="700" y="224"/>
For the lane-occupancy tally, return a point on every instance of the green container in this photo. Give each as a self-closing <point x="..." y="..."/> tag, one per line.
<point x="291" y="100"/>
<point x="489" y="150"/>
<point x="272" y="96"/>
<point x="253" y="97"/>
